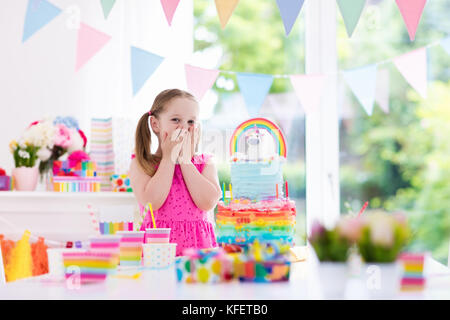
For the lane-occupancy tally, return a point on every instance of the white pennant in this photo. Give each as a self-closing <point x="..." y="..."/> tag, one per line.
<point x="413" y="67"/>
<point x="363" y="81"/>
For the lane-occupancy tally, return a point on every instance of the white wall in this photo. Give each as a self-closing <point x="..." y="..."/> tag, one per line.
<point x="38" y="78"/>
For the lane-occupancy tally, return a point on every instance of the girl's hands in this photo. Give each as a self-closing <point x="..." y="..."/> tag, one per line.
<point x="189" y="142"/>
<point x="171" y="146"/>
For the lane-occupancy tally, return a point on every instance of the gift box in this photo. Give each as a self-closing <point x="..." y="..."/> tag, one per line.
<point x="204" y="266"/>
<point x="268" y="262"/>
<point x="120" y="183"/>
<point x="5" y="183"/>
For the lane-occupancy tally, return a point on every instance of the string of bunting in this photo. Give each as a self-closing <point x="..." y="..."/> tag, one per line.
<point x="254" y="87"/>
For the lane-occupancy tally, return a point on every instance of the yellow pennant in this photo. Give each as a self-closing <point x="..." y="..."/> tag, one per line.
<point x="225" y="8"/>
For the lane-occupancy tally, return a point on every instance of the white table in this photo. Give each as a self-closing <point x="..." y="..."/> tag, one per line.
<point x="162" y="285"/>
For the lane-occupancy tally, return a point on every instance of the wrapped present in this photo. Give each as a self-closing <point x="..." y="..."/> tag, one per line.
<point x="120" y="183"/>
<point x="5" y="181"/>
<point x="268" y="262"/>
<point x="204" y="266"/>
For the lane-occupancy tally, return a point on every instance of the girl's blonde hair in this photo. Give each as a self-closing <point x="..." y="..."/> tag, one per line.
<point x="144" y="157"/>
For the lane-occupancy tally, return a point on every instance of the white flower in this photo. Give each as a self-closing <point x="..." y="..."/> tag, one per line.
<point x="44" y="154"/>
<point x="40" y="134"/>
<point x="22" y="144"/>
<point x="23" y="154"/>
<point x="77" y="141"/>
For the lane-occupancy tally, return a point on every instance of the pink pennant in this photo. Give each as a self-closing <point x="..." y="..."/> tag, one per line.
<point x="309" y="90"/>
<point x="169" y="7"/>
<point x="413" y="66"/>
<point x="90" y="41"/>
<point x="411" y="11"/>
<point x="199" y="80"/>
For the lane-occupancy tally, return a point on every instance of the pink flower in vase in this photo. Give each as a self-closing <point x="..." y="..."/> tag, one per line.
<point x="76" y="157"/>
<point x="62" y="136"/>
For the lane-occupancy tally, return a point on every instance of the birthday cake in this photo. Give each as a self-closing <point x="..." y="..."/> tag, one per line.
<point x="257" y="209"/>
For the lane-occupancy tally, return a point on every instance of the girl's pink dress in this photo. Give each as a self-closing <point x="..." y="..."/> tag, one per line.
<point x="189" y="225"/>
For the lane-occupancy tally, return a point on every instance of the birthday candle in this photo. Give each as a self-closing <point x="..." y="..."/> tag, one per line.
<point x="287" y="190"/>
<point x="277" y="189"/>
<point x="231" y="193"/>
<point x="223" y="191"/>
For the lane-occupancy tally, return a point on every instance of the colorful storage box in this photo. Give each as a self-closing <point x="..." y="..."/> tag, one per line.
<point x="120" y="183"/>
<point x="88" y="266"/>
<point x="76" y="184"/>
<point x="204" y="266"/>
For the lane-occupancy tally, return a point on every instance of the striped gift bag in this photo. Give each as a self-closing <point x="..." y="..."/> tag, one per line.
<point x="102" y="150"/>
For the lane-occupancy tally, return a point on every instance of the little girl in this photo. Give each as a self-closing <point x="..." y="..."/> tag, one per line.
<point x="181" y="185"/>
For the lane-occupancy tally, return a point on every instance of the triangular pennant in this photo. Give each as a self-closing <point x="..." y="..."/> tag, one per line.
<point x="107" y="6"/>
<point x="382" y="91"/>
<point x="411" y="11"/>
<point x="143" y="65"/>
<point x="169" y="7"/>
<point x="199" y="80"/>
<point x="362" y="82"/>
<point x="351" y="11"/>
<point x="308" y="89"/>
<point x="254" y="88"/>
<point x="89" y="42"/>
<point x="289" y="10"/>
<point x="224" y="9"/>
<point x="446" y="44"/>
<point x="39" y="13"/>
<point x="413" y="67"/>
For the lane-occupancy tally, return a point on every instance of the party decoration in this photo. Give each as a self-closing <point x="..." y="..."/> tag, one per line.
<point x="413" y="67"/>
<point x="102" y="150"/>
<point x="382" y="91"/>
<point x="308" y="89"/>
<point x="5" y="181"/>
<point x="39" y="256"/>
<point x="289" y="10"/>
<point x="351" y="11"/>
<point x="254" y="88"/>
<point x="39" y="13"/>
<point x="263" y="124"/>
<point x="446" y="44"/>
<point x="120" y="183"/>
<point x="107" y="5"/>
<point x="169" y="7"/>
<point x="411" y="11"/>
<point x="20" y="264"/>
<point x="224" y="9"/>
<point x="75" y="177"/>
<point x="199" y="80"/>
<point x="204" y="266"/>
<point x="89" y="42"/>
<point x="143" y="65"/>
<point x="363" y="82"/>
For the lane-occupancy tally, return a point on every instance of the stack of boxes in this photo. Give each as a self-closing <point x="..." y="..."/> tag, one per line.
<point x="79" y="178"/>
<point x="102" y="150"/>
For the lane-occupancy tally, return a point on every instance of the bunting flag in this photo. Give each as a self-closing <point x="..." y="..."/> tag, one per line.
<point x="39" y="13"/>
<point x="169" y="7"/>
<point x="289" y="11"/>
<point x="89" y="42"/>
<point x="446" y="44"/>
<point x="411" y="11"/>
<point x="382" y="91"/>
<point x="143" y="65"/>
<point x="351" y="11"/>
<point x="224" y="9"/>
<point x="199" y="80"/>
<point x="362" y="81"/>
<point x="254" y="88"/>
<point x="413" y="67"/>
<point x="107" y="5"/>
<point x="308" y="89"/>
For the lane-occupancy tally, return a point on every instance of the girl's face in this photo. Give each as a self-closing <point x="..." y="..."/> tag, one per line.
<point x="179" y="113"/>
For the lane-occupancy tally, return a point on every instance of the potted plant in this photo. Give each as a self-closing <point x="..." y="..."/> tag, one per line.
<point x="332" y="248"/>
<point x="382" y="237"/>
<point x="25" y="173"/>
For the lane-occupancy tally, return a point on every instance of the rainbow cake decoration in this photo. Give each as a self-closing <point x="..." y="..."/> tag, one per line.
<point x="257" y="209"/>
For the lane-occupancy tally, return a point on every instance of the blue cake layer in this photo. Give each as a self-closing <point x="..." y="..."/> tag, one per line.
<point x="257" y="180"/>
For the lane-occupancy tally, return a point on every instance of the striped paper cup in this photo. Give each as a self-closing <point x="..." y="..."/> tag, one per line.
<point x="131" y="247"/>
<point x="159" y="255"/>
<point x="106" y="244"/>
<point x="157" y="235"/>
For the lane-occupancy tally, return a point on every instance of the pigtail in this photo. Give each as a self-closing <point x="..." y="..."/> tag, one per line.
<point x="146" y="160"/>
